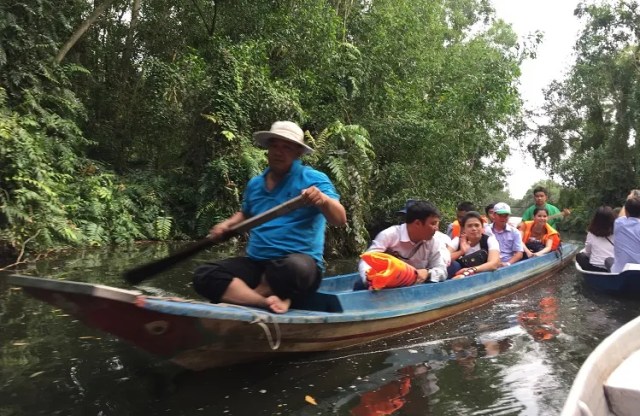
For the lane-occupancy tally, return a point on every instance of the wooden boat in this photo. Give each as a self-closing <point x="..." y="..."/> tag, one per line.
<point x="607" y="383"/>
<point x="199" y="335"/>
<point x="626" y="284"/>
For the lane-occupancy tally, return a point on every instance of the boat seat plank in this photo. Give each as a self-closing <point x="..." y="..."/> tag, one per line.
<point x="622" y="388"/>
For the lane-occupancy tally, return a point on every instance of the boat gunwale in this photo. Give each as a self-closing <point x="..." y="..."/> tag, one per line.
<point x="72" y="287"/>
<point x="587" y="391"/>
<point x="457" y="291"/>
<point x="595" y="273"/>
<point x="233" y="312"/>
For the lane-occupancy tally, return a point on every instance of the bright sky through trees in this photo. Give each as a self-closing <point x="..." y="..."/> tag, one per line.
<point x="560" y="27"/>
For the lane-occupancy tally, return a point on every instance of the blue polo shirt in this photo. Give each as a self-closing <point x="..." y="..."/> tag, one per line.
<point x="299" y="231"/>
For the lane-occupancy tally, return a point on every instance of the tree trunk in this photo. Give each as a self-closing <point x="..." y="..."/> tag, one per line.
<point x="135" y="14"/>
<point x="82" y="29"/>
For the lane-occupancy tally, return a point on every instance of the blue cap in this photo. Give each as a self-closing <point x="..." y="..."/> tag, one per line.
<point x="406" y="205"/>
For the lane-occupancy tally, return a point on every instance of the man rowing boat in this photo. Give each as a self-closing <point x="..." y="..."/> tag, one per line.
<point x="284" y="260"/>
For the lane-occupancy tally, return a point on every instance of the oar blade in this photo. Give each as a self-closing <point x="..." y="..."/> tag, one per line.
<point x="148" y="270"/>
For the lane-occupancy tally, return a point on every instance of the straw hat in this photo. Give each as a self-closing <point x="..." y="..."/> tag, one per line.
<point x="285" y="130"/>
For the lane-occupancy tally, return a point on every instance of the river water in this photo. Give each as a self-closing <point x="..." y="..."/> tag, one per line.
<point x="515" y="356"/>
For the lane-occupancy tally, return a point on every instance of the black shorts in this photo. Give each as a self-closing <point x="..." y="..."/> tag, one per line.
<point x="291" y="277"/>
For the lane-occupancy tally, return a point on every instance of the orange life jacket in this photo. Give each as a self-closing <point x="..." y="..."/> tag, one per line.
<point x="455" y="229"/>
<point x="388" y="271"/>
<point x="550" y="233"/>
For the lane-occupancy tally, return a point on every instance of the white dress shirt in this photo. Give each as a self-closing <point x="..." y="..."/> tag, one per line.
<point x="426" y="254"/>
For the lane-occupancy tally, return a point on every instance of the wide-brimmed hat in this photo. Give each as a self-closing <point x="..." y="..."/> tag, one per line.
<point x="501" y="208"/>
<point x="285" y="130"/>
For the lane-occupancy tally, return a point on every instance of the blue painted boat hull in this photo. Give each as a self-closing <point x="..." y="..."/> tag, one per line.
<point x="625" y="284"/>
<point x="199" y="335"/>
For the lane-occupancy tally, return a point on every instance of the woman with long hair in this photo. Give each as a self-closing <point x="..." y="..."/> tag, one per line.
<point x="473" y="252"/>
<point x="599" y="243"/>
<point x="538" y="237"/>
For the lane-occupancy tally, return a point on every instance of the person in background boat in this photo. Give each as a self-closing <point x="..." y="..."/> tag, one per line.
<point x="472" y="240"/>
<point x="453" y="229"/>
<point x="540" y="195"/>
<point x="284" y="256"/>
<point x="509" y="238"/>
<point x="626" y="233"/>
<point x="599" y="244"/>
<point x="413" y="243"/>
<point x="538" y="237"/>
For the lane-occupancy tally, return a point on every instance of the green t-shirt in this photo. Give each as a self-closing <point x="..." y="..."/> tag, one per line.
<point x="551" y="209"/>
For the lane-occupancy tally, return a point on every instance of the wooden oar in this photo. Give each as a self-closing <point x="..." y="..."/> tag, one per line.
<point x="149" y="270"/>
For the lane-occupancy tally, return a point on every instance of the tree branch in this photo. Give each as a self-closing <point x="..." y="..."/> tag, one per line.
<point x="201" y="14"/>
<point x="81" y="30"/>
<point x="19" y="259"/>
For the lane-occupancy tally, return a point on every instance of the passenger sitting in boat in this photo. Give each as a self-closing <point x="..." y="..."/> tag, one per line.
<point x="540" y="196"/>
<point x="509" y="238"/>
<point x="445" y="240"/>
<point x="453" y="229"/>
<point x="284" y="256"/>
<point x="489" y="211"/>
<point x="626" y="232"/>
<point x="474" y="251"/>
<point x="412" y="242"/>
<point x="538" y="237"/>
<point x="599" y="244"/>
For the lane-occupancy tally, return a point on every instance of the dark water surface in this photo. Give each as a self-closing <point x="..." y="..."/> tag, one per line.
<point x="516" y="356"/>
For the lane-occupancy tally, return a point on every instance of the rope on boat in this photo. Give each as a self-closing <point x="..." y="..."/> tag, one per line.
<point x="259" y="318"/>
<point x="560" y="253"/>
<point x="267" y="332"/>
<point x="262" y="319"/>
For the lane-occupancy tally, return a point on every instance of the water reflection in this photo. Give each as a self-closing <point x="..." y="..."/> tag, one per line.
<point x="390" y="397"/>
<point x="540" y="323"/>
<point x="515" y="356"/>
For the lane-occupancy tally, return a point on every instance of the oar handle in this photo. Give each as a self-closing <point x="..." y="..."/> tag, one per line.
<point x="149" y="270"/>
<point x="268" y="215"/>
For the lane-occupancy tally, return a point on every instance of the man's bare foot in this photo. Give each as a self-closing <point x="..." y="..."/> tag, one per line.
<point x="278" y="305"/>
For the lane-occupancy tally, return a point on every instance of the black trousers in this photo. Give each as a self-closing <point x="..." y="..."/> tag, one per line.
<point x="583" y="260"/>
<point x="291" y="277"/>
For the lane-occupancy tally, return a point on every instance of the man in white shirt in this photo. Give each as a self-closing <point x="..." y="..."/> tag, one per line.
<point x="414" y="243"/>
<point x="444" y="239"/>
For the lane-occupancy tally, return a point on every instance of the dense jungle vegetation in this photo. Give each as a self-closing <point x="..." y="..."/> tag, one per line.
<point x="132" y="120"/>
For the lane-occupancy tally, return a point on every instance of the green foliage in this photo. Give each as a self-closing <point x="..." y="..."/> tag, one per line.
<point x="591" y="139"/>
<point x="346" y="155"/>
<point x="163" y="227"/>
<point x="145" y="130"/>
<point x="436" y="100"/>
<point x="49" y="196"/>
